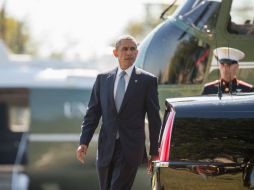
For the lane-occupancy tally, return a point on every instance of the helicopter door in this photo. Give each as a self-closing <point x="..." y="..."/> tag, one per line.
<point x="14" y="125"/>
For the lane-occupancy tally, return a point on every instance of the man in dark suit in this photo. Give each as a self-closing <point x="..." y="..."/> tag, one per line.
<point x="122" y="98"/>
<point x="229" y="64"/>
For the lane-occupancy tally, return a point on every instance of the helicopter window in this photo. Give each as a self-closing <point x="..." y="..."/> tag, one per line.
<point x="202" y="15"/>
<point x="19" y="117"/>
<point x="241" y="19"/>
<point x="176" y="56"/>
<point x="14" y="110"/>
<point x="189" y="62"/>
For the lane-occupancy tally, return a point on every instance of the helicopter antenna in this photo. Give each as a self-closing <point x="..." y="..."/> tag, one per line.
<point x="217" y="59"/>
<point x="230" y="82"/>
<point x="166" y="10"/>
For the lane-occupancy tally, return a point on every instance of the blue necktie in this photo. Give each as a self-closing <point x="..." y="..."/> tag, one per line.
<point x="120" y="91"/>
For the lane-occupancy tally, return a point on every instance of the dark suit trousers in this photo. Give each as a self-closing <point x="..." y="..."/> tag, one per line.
<point x="119" y="175"/>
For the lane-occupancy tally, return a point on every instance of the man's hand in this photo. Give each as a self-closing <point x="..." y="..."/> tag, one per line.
<point x="150" y="163"/>
<point x="81" y="152"/>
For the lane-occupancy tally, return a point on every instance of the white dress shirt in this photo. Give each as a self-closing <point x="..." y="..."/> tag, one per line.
<point x="126" y="77"/>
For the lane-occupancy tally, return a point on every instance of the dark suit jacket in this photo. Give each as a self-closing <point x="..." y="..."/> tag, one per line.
<point x="141" y="97"/>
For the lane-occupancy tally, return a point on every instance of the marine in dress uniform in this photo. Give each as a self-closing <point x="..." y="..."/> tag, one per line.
<point x="228" y="83"/>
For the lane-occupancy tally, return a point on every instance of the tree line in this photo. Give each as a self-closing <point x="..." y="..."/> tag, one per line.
<point x="14" y="33"/>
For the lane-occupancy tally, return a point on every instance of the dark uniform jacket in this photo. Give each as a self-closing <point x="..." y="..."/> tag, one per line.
<point x="141" y="98"/>
<point x="235" y="86"/>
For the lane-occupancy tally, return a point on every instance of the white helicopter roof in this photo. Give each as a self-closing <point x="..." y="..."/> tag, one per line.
<point x="24" y="72"/>
<point x="13" y="75"/>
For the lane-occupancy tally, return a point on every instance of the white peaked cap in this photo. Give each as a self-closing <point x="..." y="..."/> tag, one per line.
<point x="228" y="53"/>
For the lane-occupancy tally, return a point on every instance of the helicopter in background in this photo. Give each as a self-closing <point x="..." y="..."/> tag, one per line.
<point x="179" y="50"/>
<point x="42" y="103"/>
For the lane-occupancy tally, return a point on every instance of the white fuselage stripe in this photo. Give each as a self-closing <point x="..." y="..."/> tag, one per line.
<point x="57" y="137"/>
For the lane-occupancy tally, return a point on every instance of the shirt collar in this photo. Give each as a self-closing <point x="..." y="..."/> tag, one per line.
<point x="234" y="81"/>
<point x="128" y="71"/>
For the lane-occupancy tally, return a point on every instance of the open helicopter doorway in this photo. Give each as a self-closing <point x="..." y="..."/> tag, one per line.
<point x="14" y="126"/>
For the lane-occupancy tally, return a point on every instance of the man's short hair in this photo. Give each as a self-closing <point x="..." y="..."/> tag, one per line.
<point x="124" y="37"/>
